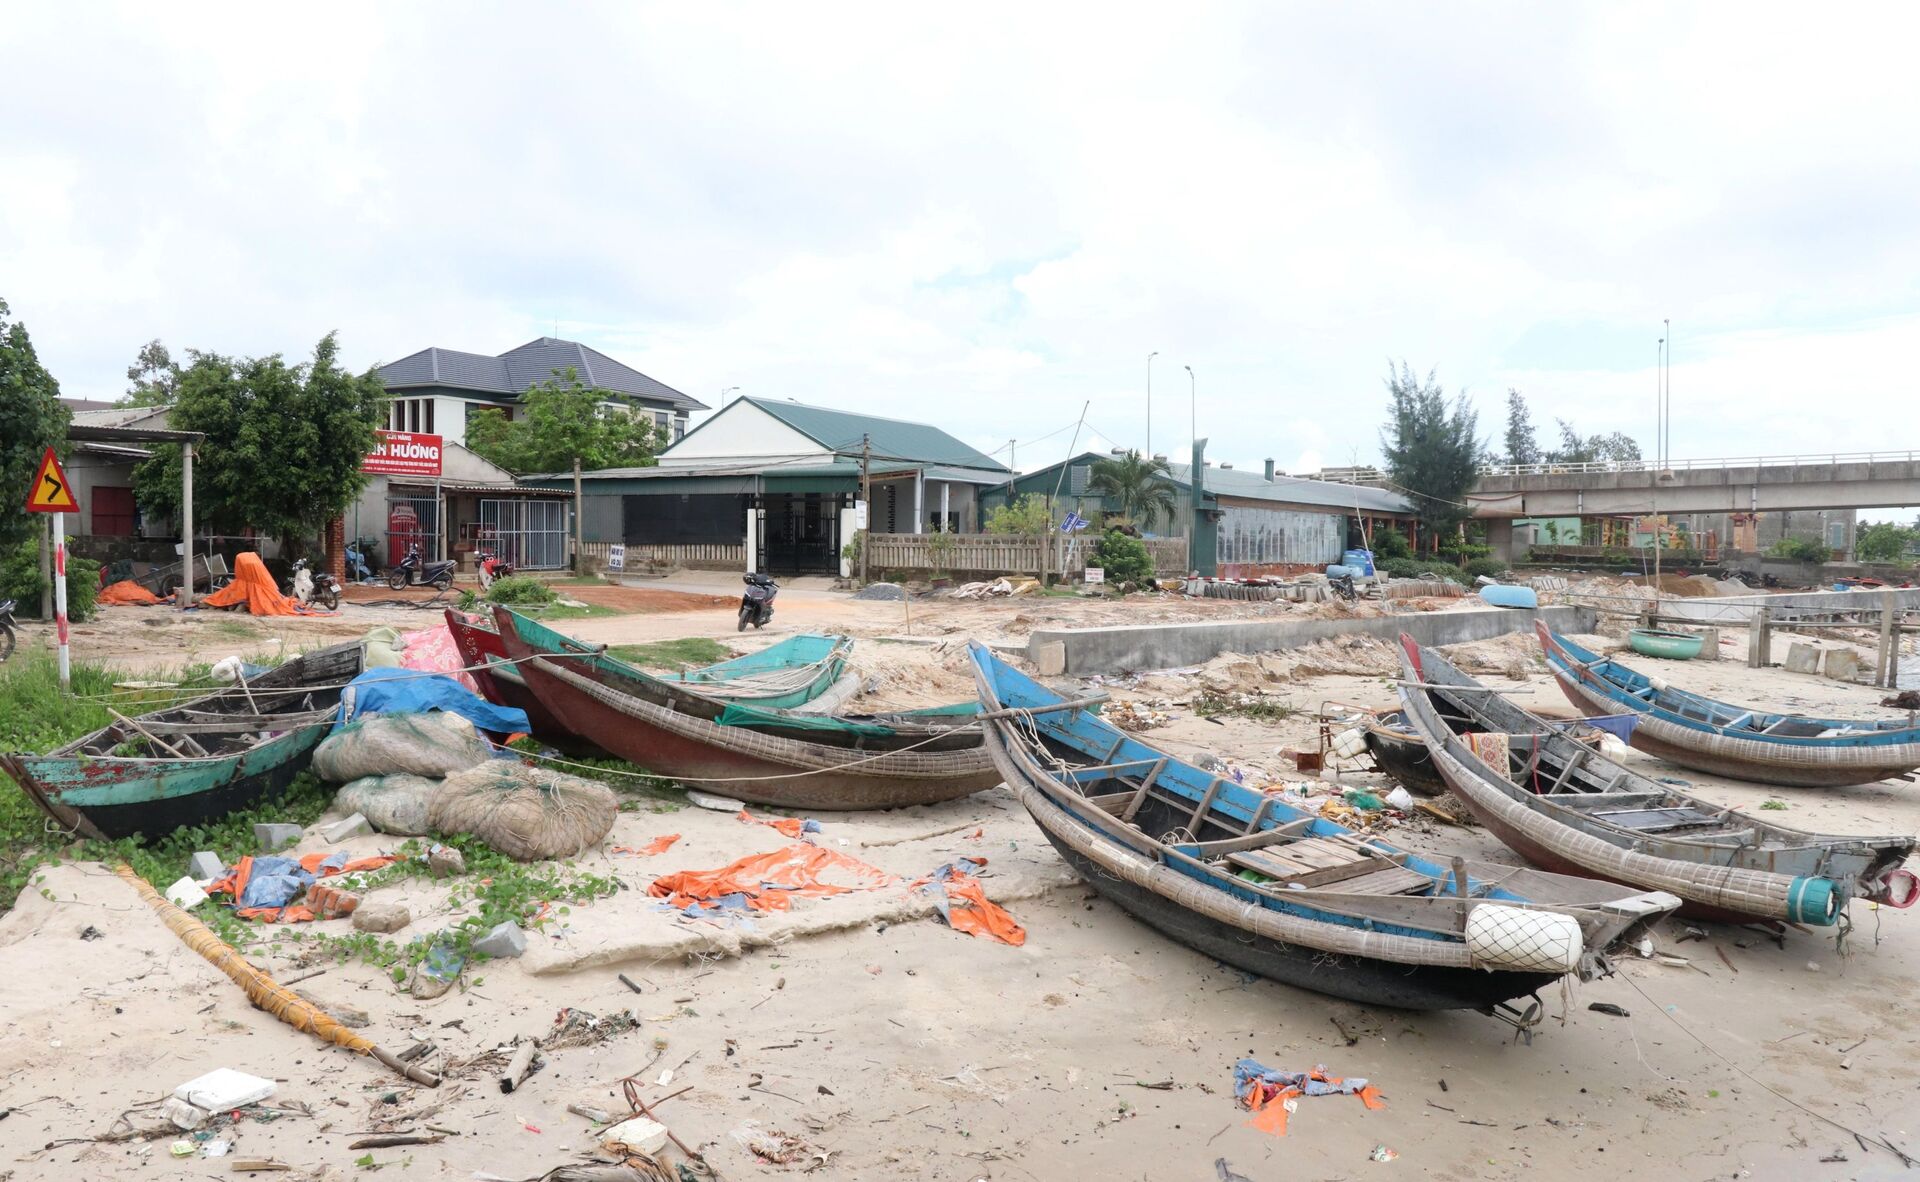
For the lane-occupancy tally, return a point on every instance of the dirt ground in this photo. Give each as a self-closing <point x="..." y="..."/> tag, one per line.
<point x="897" y="1048"/>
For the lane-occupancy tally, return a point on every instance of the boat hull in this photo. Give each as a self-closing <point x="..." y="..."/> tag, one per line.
<point x="108" y="799"/>
<point x="477" y="645"/>
<point x="1668" y="646"/>
<point x="1351" y="978"/>
<point x="1405" y="759"/>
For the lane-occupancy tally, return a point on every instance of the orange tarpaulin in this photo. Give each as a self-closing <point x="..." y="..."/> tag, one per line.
<point x="254" y="586"/>
<point x="658" y="845"/>
<point x="127" y="593"/>
<point x="769" y="881"/>
<point x="786" y="826"/>
<point x="967" y="907"/>
<point x="235" y="883"/>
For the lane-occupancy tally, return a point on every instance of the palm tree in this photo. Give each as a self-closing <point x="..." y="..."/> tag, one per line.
<point x="1139" y="486"/>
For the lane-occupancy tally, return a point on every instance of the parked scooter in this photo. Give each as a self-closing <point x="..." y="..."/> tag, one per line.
<point x="756" y="603"/>
<point x="411" y="571"/>
<point x="492" y="567"/>
<point x="313" y="586"/>
<point x="1342" y="585"/>
<point x="6" y="628"/>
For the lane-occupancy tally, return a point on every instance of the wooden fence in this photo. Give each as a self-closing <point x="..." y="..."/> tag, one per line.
<point x="1002" y="554"/>
<point x="699" y="556"/>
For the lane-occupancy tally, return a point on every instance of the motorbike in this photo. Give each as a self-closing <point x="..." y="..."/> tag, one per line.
<point x="756" y="603"/>
<point x="357" y="568"/>
<point x="6" y="628"/>
<point x="412" y="571"/>
<point x="1342" y="586"/>
<point x="492" y="567"/>
<point x="313" y="586"/>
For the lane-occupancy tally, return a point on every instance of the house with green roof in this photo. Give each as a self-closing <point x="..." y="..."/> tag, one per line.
<point x="774" y="485"/>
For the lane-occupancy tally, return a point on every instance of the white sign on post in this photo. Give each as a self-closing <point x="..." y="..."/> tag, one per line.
<point x="617" y="557"/>
<point x="859" y="515"/>
<point x="1096" y="574"/>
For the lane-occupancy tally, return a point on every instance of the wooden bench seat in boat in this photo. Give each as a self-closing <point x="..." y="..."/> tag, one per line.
<point x="1322" y="862"/>
<point x="1657" y="820"/>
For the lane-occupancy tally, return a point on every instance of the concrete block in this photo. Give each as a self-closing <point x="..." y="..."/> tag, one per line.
<point x="205" y="867"/>
<point x="276" y="836"/>
<point x="381" y="917"/>
<point x="444" y="860"/>
<point x="1709" y="644"/>
<point x="1803" y="657"/>
<point x="504" y="941"/>
<point x="354" y="826"/>
<point x="1841" y="664"/>
<point x="1049" y="658"/>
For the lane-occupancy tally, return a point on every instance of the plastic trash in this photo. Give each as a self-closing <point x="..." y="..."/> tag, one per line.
<point x="224" y="1088"/>
<point x="638" y="1135"/>
<point x="184" y="1116"/>
<point x="1366" y="802"/>
<point x="1400" y="799"/>
<point x="186" y="894"/>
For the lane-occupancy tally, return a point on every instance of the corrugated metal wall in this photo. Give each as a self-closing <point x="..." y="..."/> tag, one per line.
<point x="1252" y="536"/>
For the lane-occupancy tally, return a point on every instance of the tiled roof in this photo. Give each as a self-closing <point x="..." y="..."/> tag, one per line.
<point x="891" y="439"/>
<point x="512" y="372"/>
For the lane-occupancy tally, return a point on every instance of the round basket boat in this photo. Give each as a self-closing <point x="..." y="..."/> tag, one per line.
<point x="1658" y="642"/>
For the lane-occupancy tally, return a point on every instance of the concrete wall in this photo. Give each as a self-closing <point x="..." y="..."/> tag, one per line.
<point x="1082" y="651"/>
<point x="1749" y="489"/>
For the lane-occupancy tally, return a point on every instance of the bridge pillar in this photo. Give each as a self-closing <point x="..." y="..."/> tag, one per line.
<point x="1500" y="537"/>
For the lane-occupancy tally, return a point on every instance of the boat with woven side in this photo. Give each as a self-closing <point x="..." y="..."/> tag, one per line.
<point x="1248" y="878"/>
<point x="1563" y="806"/>
<point x="1729" y="740"/>
<point x="754" y="753"/>
<point x="196" y="762"/>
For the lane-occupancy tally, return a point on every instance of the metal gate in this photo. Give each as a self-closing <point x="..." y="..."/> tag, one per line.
<point x="531" y="534"/>
<point x="412" y="521"/>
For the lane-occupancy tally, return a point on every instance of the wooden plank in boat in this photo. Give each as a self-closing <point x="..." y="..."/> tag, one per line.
<point x="1394" y="880"/>
<point x="1279" y="864"/>
<point x="1656" y="820"/>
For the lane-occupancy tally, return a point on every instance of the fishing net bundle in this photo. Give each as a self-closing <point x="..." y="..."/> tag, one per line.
<point x="394" y="804"/>
<point x="524" y="812"/>
<point x="433" y="744"/>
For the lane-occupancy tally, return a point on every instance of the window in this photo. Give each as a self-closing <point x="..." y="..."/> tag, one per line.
<point x="113" y="511"/>
<point x="413" y="415"/>
<point x="679" y="429"/>
<point x="662" y="425"/>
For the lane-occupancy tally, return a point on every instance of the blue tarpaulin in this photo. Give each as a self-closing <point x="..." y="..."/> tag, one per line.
<point x="409" y="691"/>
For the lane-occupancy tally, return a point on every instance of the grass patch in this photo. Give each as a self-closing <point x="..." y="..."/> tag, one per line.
<point x="1254" y="706"/>
<point x="1773" y="805"/>
<point x="563" y="612"/>
<point x="685" y="653"/>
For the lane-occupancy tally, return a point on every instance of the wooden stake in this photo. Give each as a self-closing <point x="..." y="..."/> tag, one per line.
<point x="156" y="740"/>
<point x="518" y="1067"/>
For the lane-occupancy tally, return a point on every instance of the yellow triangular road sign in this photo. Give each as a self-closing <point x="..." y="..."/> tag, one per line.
<point x="51" y="493"/>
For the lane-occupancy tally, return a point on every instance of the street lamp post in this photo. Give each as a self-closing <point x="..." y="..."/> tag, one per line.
<point x="1193" y="396"/>
<point x="1150" y="358"/>
<point x="725" y="392"/>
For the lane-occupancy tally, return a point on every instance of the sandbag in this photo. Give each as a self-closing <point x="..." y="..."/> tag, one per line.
<point x="524" y="812"/>
<point x="394" y="804"/>
<point x="434" y="744"/>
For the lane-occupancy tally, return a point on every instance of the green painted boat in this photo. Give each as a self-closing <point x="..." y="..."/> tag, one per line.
<point x="1659" y="642"/>
<point x="791" y="673"/>
<point x="194" y="763"/>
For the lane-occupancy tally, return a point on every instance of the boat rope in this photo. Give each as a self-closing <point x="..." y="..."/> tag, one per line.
<point x="614" y="771"/>
<point x="265" y="993"/>
<point x="1865" y="1141"/>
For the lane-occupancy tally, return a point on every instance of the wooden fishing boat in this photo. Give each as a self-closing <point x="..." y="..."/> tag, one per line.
<point x="1401" y="754"/>
<point x="1563" y="806"/>
<point x="756" y="753"/>
<point x="1245" y="877"/>
<point x="1728" y="740"/>
<point x="193" y="763"/>
<point x="782" y="676"/>
<point x="500" y="682"/>
<point x="1664" y="643"/>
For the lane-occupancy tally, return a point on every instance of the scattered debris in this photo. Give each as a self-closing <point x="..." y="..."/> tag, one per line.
<point x="778" y="1147"/>
<point x="1382" y="1153"/>
<point x="504" y="942"/>
<point x="1607" y="1007"/>
<point x="444" y="861"/>
<point x="719" y="804"/>
<point x="1272" y="1095"/>
<point x="520" y="1066"/>
<point x="889" y="591"/>
<point x="185" y="894"/>
<point x="963" y="904"/>
<point x="381" y="917"/>
<point x="574" y="1027"/>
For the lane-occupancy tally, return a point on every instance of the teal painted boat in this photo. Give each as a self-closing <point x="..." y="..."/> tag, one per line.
<point x="1505" y="595"/>
<point x="1659" y="642"/>
<point x="791" y="673"/>
<point x="195" y="763"/>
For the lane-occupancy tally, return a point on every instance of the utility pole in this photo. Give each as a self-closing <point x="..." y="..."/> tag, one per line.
<point x="1150" y="358"/>
<point x="579" y="506"/>
<point x="1013" y="465"/>
<point x="866" y="499"/>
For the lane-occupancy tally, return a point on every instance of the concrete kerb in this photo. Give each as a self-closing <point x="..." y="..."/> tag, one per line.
<point x="1081" y="651"/>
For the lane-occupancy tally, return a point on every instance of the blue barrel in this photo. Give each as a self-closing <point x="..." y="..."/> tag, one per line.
<point x="1335" y="571"/>
<point x="1363" y="559"/>
<point x="1814" y="901"/>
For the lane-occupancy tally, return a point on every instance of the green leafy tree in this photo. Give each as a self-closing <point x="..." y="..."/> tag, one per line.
<point x="1123" y="557"/>
<point x="284" y="443"/>
<point x="1138" y="485"/>
<point x="1431" y="447"/>
<point x="32" y="419"/>
<point x="154" y="377"/>
<point x="563" y="419"/>
<point x="1615" y="447"/>
<point x="1884" y="541"/>
<point x="1523" y="447"/>
<point x="1027" y="517"/>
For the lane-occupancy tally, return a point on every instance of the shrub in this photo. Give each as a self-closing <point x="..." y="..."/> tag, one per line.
<point x="1124" y="559"/>
<point x="520" y="591"/>
<point x="1027" y="516"/>
<point x="1410" y="568"/>
<point x="1390" y="544"/>
<point x="1800" y="550"/>
<point x="20" y="580"/>
<point x="1491" y="568"/>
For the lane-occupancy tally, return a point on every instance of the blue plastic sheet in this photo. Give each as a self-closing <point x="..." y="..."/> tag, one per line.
<point x="408" y="691"/>
<point x="275" y="882"/>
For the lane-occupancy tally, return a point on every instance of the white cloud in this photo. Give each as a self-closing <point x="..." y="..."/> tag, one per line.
<point x="986" y="218"/>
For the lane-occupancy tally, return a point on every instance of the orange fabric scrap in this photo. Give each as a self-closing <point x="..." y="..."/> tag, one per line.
<point x="658" y="845"/>
<point x="253" y="585"/>
<point x="127" y="593"/>
<point x="968" y="909"/>
<point x="787" y="826"/>
<point x="235" y="882"/>
<point x="1269" y="1101"/>
<point x="771" y="880"/>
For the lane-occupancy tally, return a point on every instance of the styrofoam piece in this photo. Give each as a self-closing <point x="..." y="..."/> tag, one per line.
<point x="186" y="894"/>
<point x="224" y="1088"/>
<point x="638" y="1135"/>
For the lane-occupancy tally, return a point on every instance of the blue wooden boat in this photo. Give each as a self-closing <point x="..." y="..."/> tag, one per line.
<point x="1503" y="595"/>
<point x="1250" y="879"/>
<point x="194" y="763"/>
<point x="1728" y="740"/>
<point x="1544" y="790"/>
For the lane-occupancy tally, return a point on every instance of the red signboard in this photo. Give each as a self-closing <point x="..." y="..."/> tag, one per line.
<point x="404" y="453"/>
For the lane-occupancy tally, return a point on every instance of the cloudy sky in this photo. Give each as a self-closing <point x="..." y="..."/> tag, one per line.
<point x="985" y="216"/>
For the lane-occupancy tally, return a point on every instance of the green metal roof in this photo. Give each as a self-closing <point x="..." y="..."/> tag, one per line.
<point x="892" y="439"/>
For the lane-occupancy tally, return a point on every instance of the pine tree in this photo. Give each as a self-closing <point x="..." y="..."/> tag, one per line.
<point x="1432" y="449"/>
<point x="1522" y="445"/>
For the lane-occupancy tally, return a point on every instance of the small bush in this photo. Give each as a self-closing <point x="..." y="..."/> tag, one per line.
<point x="1390" y="544"/>
<point x="20" y="580"/>
<point x="1124" y="559"/>
<point x="1411" y="568"/>
<point x="1491" y="568"/>
<point x="1028" y="517"/>
<point x="1800" y="550"/>
<point x="520" y="591"/>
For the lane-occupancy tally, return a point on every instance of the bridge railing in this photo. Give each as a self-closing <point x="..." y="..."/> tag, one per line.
<point x="1558" y="469"/>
